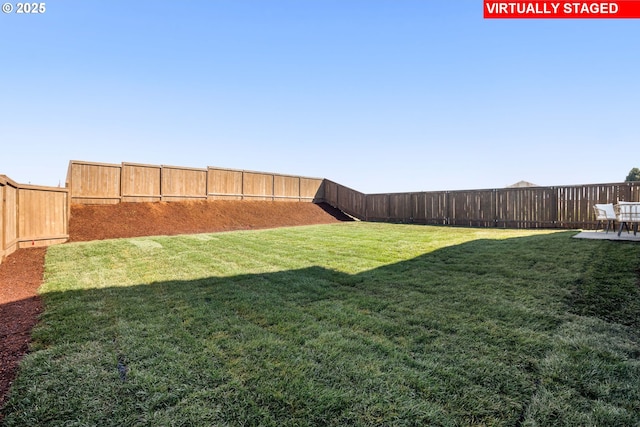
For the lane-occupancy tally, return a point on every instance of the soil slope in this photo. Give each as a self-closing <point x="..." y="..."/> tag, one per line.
<point x="21" y="272"/>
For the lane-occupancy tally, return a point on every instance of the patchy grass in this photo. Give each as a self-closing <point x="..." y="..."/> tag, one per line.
<point x="347" y="324"/>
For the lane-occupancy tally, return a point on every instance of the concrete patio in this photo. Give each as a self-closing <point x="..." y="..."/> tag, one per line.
<point x="611" y="235"/>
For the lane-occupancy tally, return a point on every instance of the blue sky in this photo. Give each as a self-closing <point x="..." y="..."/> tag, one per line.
<point x="378" y="95"/>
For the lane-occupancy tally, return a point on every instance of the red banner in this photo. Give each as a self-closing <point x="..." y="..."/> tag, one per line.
<point x="561" y="9"/>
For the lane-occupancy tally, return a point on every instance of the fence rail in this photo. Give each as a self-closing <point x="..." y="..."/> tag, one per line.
<point x="103" y="183"/>
<point x="529" y="207"/>
<point x="31" y="215"/>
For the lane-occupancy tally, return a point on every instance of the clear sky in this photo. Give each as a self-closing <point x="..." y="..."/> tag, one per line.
<point x="378" y="95"/>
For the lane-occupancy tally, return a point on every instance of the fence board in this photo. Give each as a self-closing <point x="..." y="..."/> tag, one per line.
<point x="633" y="191"/>
<point x="94" y="182"/>
<point x="474" y="209"/>
<point x="331" y="193"/>
<point x="353" y="202"/>
<point x="344" y="198"/>
<point x="31" y="215"/>
<point x="7" y="217"/>
<point x="311" y="189"/>
<point x="10" y="218"/>
<point x="418" y="208"/>
<point x="526" y="207"/>
<point x="224" y="184"/>
<point x="377" y="207"/>
<point x="401" y="207"/>
<point x="436" y="207"/>
<point x="42" y="217"/>
<point x="180" y="183"/>
<point x="286" y="188"/>
<point x="141" y="183"/>
<point x="257" y="186"/>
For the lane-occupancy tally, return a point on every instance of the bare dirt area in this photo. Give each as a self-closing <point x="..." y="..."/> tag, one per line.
<point x="20" y="306"/>
<point x="98" y="222"/>
<point x="21" y="272"/>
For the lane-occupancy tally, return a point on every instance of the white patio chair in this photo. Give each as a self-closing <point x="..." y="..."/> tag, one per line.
<point x="628" y="212"/>
<point x="605" y="212"/>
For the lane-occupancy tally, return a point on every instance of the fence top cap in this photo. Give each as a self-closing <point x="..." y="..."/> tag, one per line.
<point x="82" y="162"/>
<point x="185" y="168"/>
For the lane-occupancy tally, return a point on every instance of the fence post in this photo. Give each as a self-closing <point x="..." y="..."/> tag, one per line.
<point x="242" y="186"/>
<point x="627" y="191"/>
<point x="121" y="184"/>
<point x="2" y="215"/>
<point x="494" y="207"/>
<point x="554" y="207"/>
<point x="447" y="203"/>
<point x="366" y="207"/>
<point x="411" y="208"/>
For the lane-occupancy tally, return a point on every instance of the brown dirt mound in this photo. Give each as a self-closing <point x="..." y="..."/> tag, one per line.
<point x="21" y="272"/>
<point x="98" y="222"/>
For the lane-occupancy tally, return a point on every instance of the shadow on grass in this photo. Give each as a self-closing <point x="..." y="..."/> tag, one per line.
<point x="464" y="335"/>
<point x="18" y="318"/>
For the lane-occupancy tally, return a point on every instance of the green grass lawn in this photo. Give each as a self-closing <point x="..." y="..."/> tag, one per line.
<point x="350" y="324"/>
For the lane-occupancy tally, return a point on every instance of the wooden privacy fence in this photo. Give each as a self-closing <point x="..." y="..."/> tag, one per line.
<point x="529" y="207"/>
<point x="39" y="216"/>
<point x="102" y="183"/>
<point x="31" y="216"/>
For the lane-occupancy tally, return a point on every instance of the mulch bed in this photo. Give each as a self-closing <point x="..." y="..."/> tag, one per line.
<point x="21" y="272"/>
<point x="20" y="306"/>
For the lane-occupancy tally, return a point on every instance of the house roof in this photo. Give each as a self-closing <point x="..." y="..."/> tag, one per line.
<point x="520" y="184"/>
